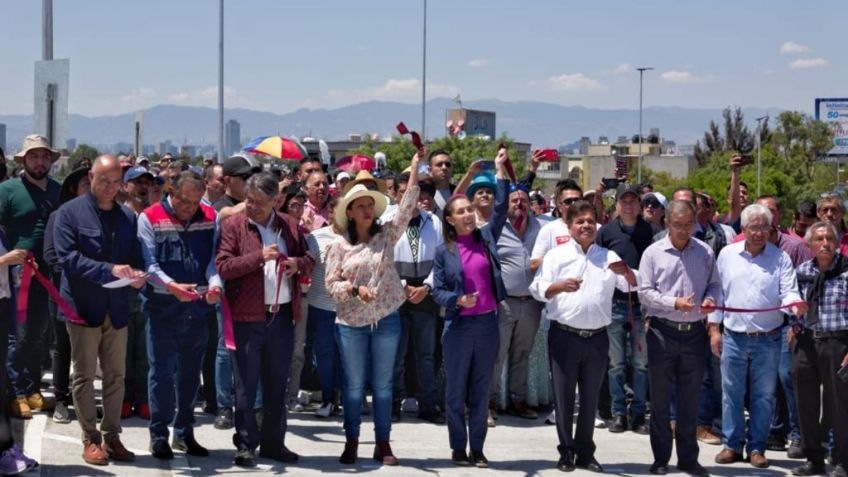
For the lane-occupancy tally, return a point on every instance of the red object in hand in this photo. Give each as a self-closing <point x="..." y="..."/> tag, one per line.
<point x="550" y="155"/>
<point x="416" y="139"/>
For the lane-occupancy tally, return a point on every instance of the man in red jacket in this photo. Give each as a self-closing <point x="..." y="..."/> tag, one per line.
<point x="261" y="254"/>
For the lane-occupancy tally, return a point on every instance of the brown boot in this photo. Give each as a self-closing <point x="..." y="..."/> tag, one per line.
<point x="705" y="435"/>
<point x="727" y="456"/>
<point x="383" y="453"/>
<point x="20" y="409"/>
<point x="116" y="450"/>
<point x="37" y="402"/>
<point x="522" y="410"/>
<point x="94" y="454"/>
<point x="758" y="460"/>
<point x="350" y="452"/>
<point x="493" y="414"/>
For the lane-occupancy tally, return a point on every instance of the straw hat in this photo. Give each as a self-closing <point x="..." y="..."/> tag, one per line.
<point x="356" y="192"/>
<point x="34" y="141"/>
<point x="365" y="176"/>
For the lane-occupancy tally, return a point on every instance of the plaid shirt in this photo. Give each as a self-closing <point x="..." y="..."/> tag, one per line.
<point x="833" y="304"/>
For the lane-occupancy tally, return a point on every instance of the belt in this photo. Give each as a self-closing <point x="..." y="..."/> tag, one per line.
<point x="581" y="332"/>
<point x="821" y="335"/>
<point x="280" y="307"/>
<point x="684" y="326"/>
<point x="773" y="332"/>
<point x="522" y="298"/>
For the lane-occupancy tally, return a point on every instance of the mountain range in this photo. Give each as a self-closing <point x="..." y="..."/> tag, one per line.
<point x="539" y="123"/>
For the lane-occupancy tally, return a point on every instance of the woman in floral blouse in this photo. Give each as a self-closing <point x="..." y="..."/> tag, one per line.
<point x="361" y="278"/>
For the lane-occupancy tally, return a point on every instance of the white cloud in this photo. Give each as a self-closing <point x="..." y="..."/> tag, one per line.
<point x="478" y="62"/>
<point x="805" y="63"/>
<point x="684" y="77"/>
<point x="621" y="69"/>
<point x="791" y="48"/>
<point x="178" y="97"/>
<point x="140" y="95"/>
<point x="209" y="97"/>
<point x="394" y="90"/>
<point x="569" y="83"/>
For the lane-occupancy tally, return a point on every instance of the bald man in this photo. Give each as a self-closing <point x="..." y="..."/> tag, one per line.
<point x="95" y="239"/>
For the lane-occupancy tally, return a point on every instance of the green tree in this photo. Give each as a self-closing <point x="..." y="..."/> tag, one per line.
<point x="803" y="139"/>
<point x="737" y="137"/>
<point x="83" y="151"/>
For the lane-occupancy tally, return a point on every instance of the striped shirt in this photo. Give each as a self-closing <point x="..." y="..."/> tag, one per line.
<point x="318" y="242"/>
<point x="666" y="274"/>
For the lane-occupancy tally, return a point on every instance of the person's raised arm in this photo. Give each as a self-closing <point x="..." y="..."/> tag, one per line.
<point x="473" y="170"/>
<point x="733" y="193"/>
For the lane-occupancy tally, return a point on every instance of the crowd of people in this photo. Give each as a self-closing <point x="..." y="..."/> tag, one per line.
<point x="234" y="286"/>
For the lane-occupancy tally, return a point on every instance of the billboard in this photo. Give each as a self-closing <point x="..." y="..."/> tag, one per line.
<point x="834" y="111"/>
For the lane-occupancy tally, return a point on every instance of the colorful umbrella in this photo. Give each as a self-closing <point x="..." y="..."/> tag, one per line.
<point x="276" y="146"/>
<point x="356" y="162"/>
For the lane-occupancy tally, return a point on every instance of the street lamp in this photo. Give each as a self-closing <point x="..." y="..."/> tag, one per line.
<point x="424" y="79"/>
<point x="221" y="82"/>
<point x="642" y="71"/>
<point x="759" y="146"/>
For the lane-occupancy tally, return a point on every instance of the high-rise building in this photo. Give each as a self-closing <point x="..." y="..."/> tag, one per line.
<point x="232" y="137"/>
<point x="3" y="137"/>
<point x="71" y="144"/>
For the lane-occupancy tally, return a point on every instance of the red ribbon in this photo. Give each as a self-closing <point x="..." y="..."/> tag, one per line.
<point x="416" y="139"/>
<point x="508" y="166"/>
<point x="29" y="271"/>
<point x="731" y="309"/>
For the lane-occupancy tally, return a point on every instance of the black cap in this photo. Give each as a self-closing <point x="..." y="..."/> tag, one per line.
<point x="239" y="166"/>
<point x="630" y="189"/>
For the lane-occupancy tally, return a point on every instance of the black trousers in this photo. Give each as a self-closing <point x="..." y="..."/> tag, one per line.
<point x="263" y="353"/>
<point x="7" y="324"/>
<point x="210" y="395"/>
<point x="60" y="356"/>
<point x="577" y="362"/>
<point x="814" y="366"/>
<point x="675" y="357"/>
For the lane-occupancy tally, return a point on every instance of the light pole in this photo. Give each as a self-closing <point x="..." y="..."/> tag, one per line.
<point x="221" y="82"/>
<point x="424" y="79"/>
<point x="642" y="71"/>
<point x="759" y="146"/>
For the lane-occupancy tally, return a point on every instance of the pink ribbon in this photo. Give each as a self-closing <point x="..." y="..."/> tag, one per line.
<point x="30" y="271"/>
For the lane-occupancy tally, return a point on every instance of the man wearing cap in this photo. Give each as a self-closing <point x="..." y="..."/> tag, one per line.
<point x="261" y="255"/>
<point x="25" y="205"/>
<point x="178" y="237"/>
<point x="95" y="240"/>
<point x="628" y="236"/>
<point x="519" y="314"/>
<point x="236" y="170"/>
<point x="342" y="178"/>
<point x="137" y="182"/>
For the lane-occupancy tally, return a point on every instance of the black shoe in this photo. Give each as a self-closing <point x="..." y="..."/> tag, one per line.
<point x="259" y="414"/>
<point x="396" y="411"/>
<point x="618" y="424"/>
<point x="640" y="426"/>
<point x="432" y="416"/>
<point x="460" y="458"/>
<point x="224" y="419"/>
<point x="566" y="463"/>
<point x="810" y="468"/>
<point x="245" y="458"/>
<point x="478" y="459"/>
<point x="190" y="447"/>
<point x="776" y="443"/>
<point x="694" y="468"/>
<point x="161" y="450"/>
<point x="795" y="451"/>
<point x="590" y="464"/>
<point x="658" y="469"/>
<point x="281" y="455"/>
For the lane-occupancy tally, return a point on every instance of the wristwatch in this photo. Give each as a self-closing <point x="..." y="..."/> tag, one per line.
<point x="355" y="291"/>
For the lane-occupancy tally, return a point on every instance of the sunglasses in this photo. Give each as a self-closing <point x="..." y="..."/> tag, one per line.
<point x="570" y="201"/>
<point x="654" y="204"/>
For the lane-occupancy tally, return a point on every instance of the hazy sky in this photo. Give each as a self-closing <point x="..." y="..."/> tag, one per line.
<point x="285" y="55"/>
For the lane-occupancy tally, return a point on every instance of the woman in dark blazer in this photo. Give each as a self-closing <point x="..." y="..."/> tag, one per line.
<point x="467" y="279"/>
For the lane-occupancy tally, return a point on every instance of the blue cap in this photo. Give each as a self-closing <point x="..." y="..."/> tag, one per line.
<point x="134" y="173"/>
<point x="484" y="179"/>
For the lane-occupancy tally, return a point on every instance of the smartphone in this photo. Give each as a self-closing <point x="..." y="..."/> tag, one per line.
<point x="746" y="159"/>
<point x="550" y="155"/>
<point x="843" y="374"/>
<point x="487" y="165"/>
<point x="610" y="184"/>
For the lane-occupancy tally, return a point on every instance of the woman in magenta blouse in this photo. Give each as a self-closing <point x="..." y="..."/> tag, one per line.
<point x="467" y="279"/>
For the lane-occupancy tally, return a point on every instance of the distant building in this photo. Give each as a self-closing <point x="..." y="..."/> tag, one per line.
<point x="472" y="122"/>
<point x="71" y="144"/>
<point x="232" y="137"/>
<point x="3" y="137"/>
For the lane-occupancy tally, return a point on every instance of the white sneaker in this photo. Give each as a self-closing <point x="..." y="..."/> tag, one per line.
<point x="551" y="419"/>
<point x="599" y="422"/>
<point x="304" y="397"/>
<point x="294" y="406"/>
<point x="325" y="410"/>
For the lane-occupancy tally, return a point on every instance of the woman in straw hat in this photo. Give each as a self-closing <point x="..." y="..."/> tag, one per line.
<point x="361" y="278"/>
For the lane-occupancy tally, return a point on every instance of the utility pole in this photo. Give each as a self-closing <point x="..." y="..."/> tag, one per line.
<point x="642" y="71"/>
<point x="424" y="80"/>
<point x="221" y="82"/>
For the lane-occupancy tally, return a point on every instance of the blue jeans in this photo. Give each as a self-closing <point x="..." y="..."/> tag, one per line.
<point x="748" y="363"/>
<point x="618" y="341"/>
<point x="785" y="420"/>
<point x="175" y="347"/>
<point x="709" y="403"/>
<point x="362" y="348"/>
<point x="27" y="343"/>
<point x="321" y="332"/>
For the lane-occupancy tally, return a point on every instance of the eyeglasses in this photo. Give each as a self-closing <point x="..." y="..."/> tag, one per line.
<point x="442" y="164"/>
<point x="758" y="229"/>
<point x="654" y="204"/>
<point x="570" y="200"/>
